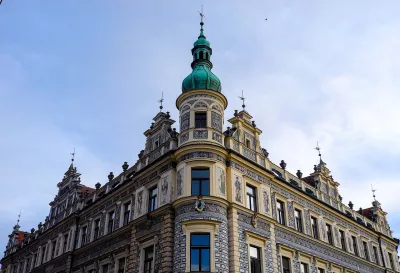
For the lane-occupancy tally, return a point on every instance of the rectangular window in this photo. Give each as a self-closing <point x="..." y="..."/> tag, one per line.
<point x="342" y="239"/>
<point x="320" y="270"/>
<point x="200" y="182"/>
<point x="42" y="259"/>
<point x="65" y="243"/>
<point x="298" y="220"/>
<point x="329" y="233"/>
<point x="255" y="259"/>
<point x="200" y="120"/>
<point x="280" y="207"/>
<point x="391" y="260"/>
<point x="110" y="224"/>
<point x="355" y="247"/>
<point x="153" y="193"/>
<point x="314" y="227"/>
<point x="121" y="265"/>
<point x="304" y="268"/>
<point x="104" y="268"/>
<point x="251" y="199"/>
<point x="96" y="229"/>
<point x="286" y="264"/>
<point x="366" y="254"/>
<point x="83" y="235"/>
<point x="28" y="264"/>
<point x="127" y="213"/>
<point x="200" y="252"/>
<point x="376" y="254"/>
<point x="148" y="259"/>
<point x="34" y="259"/>
<point x="53" y="249"/>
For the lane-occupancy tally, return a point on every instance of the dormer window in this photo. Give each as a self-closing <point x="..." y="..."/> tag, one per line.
<point x="156" y="144"/>
<point x="248" y="143"/>
<point x="200" y="120"/>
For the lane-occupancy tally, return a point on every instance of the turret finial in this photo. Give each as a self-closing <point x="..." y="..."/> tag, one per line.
<point x="73" y="156"/>
<point x="373" y="192"/>
<point x="19" y="217"/>
<point x="242" y="98"/>
<point x="201" y="21"/>
<point x="319" y="152"/>
<point x="161" y="100"/>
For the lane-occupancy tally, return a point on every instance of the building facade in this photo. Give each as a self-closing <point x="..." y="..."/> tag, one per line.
<point x="204" y="199"/>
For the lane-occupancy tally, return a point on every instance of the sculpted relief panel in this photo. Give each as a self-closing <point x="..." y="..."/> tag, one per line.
<point x="237" y="188"/>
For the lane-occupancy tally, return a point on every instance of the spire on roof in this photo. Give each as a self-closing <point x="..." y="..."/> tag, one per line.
<point x="201" y="22"/>
<point x="319" y="153"/>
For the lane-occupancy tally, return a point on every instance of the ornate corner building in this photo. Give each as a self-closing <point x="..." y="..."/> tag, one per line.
<point x="204" y="199"/>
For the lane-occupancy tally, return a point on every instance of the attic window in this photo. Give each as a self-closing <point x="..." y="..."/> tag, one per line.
<point x="248" y="143"/>
<point x="156" y="144"/>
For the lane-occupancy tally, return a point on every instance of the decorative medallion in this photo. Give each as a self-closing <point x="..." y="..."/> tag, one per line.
<point x="199" y="205"/>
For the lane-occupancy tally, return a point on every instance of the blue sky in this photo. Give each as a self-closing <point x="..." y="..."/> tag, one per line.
<point x="88" y="74"/>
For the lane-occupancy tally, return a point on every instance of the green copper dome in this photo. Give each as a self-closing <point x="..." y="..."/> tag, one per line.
<point x="201" y="76"/>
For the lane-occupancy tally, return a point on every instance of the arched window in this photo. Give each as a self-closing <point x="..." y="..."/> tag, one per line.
<point x="201" y="55"/>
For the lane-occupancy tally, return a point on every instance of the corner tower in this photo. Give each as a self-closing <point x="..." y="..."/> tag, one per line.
<point x="201" y="105"/>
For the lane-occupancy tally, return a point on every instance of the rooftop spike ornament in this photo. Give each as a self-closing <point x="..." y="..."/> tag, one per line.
<point x="73" y="156"/>
<point x="161" y="100"/>
<point x="319" y="152"/>
<point x="201" y="20"/>
<point x="242" y="98"/>
<point x="373" y="192"/>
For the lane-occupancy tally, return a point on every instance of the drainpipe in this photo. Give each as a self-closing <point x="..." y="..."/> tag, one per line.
<point x="381" y="250"/>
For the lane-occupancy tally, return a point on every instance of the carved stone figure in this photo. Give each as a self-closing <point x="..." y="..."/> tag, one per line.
<point x="140" y="201"/>
<point x="266" y="201"/>
<point x="238" y="189"/>
<point x="164" y="190"/>
<point x="179" y="182"/>
<point x="221" y="181"/>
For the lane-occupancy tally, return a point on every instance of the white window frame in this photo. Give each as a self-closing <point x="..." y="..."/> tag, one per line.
<point x="201" y="226"/>
<point x="143" y="246"/>
<point x="116" y="263"/>
<point x="257" y="241"/>
<point x="121" y="216"/>
<point x="92" y="228"/>
<point x="80" y="234"/>
<point x="106" y="231"/>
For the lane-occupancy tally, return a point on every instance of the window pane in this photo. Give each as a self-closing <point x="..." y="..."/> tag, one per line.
<point x="148" y="252"/>
<point x="195" y="187"/>
<point x="200" y="240"/>
<point x="194" y="260"/>
<point x="205" y="259"/>
<point x="254" y="252"/>
<point x="200" y="173"/>
<point x="205" y="187"/>
<point x="250" y="190"/>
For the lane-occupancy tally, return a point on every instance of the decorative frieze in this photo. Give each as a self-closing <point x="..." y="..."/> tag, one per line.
<point x="216" y="121"/>
<point x="217" y="137"/>
<point x="185" y="122"/>
<point x="201" y="155"/>
<point x="327" y="253"/>
<point x="184" y="137"/>
<point x="200" y="134"/>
